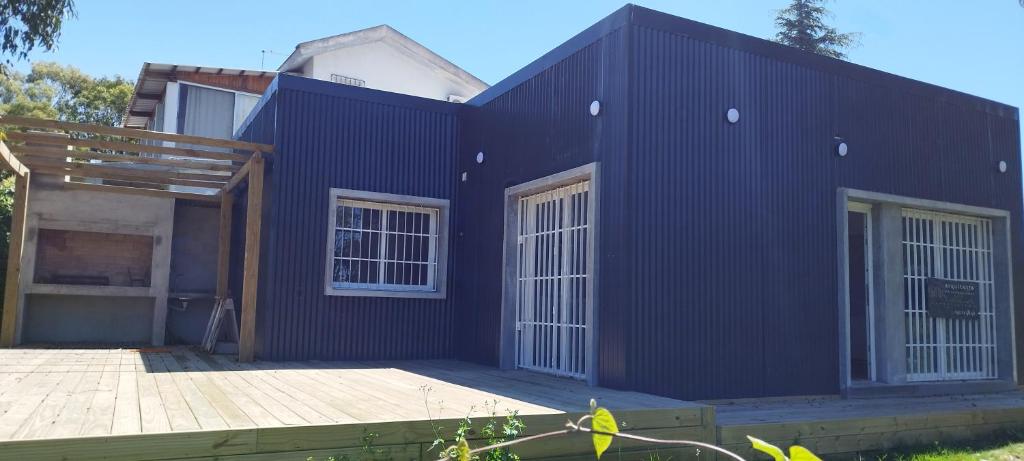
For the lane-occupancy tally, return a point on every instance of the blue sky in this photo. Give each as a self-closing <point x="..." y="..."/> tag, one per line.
<point x="972" y="46"/>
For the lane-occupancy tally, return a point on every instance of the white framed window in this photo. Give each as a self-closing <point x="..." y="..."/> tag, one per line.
<point x="386" y="245"/>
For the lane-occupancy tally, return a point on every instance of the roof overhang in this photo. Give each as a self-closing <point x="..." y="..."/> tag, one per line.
<point x="153" y="78"/>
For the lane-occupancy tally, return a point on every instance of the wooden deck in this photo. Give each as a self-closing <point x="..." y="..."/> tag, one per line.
<point x="179" y="404"/>
<point x="834" y="427"/>
<point x="104" y="404"/>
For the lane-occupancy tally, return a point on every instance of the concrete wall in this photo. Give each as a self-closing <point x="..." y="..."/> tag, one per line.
<point x="87" y="319"/>
<point x="193" y="271"/>
<point x="59" y="313"/>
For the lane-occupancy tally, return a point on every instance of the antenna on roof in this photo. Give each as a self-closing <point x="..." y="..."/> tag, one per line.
<point x="263" y="52"/>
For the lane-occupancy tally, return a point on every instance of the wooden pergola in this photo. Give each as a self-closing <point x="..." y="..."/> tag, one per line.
<point x="132" y="161"/>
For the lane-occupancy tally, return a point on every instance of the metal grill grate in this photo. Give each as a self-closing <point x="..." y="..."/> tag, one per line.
<point x="956" y="248"/>
<point x="553" y="270"/>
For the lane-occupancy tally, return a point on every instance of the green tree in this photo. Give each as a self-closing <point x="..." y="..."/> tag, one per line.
<point x="802" y="25"/>
<point x="78" y="97"/>
<point x="26" y="24"/>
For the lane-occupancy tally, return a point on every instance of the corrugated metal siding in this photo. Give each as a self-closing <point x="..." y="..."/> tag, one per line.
<point x="540" y="127"/>
<point x="734" y="264"/>
<point x="365" y="141"/>
<point x="717" y="243"/>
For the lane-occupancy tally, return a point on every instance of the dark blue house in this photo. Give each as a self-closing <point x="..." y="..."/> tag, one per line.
<point x="656" y="205"/>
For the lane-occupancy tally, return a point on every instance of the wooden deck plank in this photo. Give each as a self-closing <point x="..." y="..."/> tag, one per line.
<point x="28" y="395"/>
<point x="99" y="417"/>
<point x="204" y="412"/>
<point x="43" y="416"/>
<point x="465" y="398"/>
<point x="274" y="390"/>
<point x="179" y="414"/>
<point x="229" y="412"/>
<point x="356" y="388"/>
<point x="251" y="407"/>
<point x="279" y="411"/>
<point x="348" y="406"/>
<point x="69" y="421"/>
<point x="127" y="403"/>
<point x="152" y="414"/>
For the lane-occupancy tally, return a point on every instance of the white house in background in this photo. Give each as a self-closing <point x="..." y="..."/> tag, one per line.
<point x="382" y="58"/>
<point x="214" y="101"/>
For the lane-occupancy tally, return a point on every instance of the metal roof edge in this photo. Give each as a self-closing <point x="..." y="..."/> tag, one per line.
<point x="299" y="83"/>
<point x="605" y="26"/>
<point x="646" y="17"/>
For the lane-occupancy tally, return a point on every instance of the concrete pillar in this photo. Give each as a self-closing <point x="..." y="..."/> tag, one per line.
<point x="1003" y="277"/>
<point x="887" y="269"/>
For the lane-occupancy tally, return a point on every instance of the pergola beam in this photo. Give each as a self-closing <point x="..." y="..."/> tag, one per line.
<point x="251" y="268"/>
<point x="227" y="203"/>
<point x="128" y="178"/>
<point x="12" y="289"/>
<point x="141" y="191"/>
<point x="11" y="162"/>
<point x="116" y="171"/>
<point x="242" y="173"/>
<point x="114" y="158"/>
<point x="42" y="138"/>
<point x="134" y="133"/>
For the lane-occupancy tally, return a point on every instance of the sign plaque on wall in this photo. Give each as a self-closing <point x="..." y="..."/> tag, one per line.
<point x="952" y="298"/>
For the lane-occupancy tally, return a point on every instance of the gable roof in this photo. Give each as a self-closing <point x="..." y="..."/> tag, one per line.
<point x="382" y="33"/>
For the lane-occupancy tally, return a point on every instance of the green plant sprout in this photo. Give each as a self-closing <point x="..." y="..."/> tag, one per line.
<point x="604" y="430"/>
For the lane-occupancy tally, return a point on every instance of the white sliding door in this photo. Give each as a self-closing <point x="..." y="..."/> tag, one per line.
<point x="553" y="271"/>
<point x="952" y="248"/>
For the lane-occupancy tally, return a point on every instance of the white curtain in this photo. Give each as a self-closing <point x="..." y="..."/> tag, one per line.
<point x="209" y="113"/>
<point x="244" y="104"/>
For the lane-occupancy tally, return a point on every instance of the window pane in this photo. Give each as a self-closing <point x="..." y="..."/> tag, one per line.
<point x="393" y="221"/>
<point x="381" y="245"/>
<point x="389" y="273"/>
<point x="372" y="219"/>
<point x="337" y="270"/>
<point x="357" y="218"/>
<point x="392" y="243"/>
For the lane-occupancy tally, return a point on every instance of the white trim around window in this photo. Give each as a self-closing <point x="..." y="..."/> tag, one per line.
<point x="386" y="245"/>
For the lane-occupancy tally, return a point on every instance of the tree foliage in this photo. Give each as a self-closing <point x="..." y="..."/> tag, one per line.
<point x="26" y="24"/>
<point x="51" y="90"/>
<point x="802" y="25"/>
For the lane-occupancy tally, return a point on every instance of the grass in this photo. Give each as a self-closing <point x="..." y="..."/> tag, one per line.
<point x="1002" y="447"/>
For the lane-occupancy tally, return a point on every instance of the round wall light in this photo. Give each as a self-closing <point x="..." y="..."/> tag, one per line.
<point x="595" y="108"/>
<point x="1003" y="166"/>
<point x="732" y="115"/>
<point x="479" y="157"/>
<point x="842" y="149"/>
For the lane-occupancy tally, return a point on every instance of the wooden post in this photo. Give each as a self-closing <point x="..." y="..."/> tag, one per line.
<point x="227" y="202"/>
<point x="8" y="330"/>
<point x="251" y="269"/>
